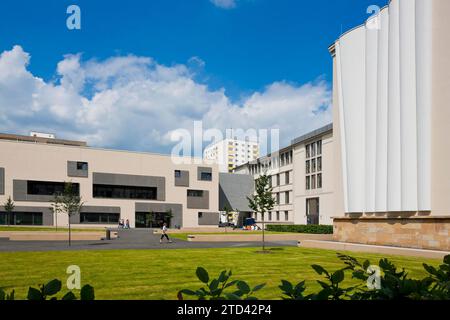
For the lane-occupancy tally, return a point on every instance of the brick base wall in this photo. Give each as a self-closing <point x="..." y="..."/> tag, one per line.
<point x="417" y="232"/>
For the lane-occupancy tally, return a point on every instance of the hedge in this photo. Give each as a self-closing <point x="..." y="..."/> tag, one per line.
<point x="311" y="229"/>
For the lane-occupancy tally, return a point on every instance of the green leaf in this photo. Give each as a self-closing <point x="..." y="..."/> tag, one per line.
<point x="286" y="286"/>
<point x="366" y="264"/>
<point x="52" y="288"/>
<point x="69" y="296"/>
<point x="447" y="259"/>
<point x="2" y="295"/>
<point x="34" y="294"/>
<point x="230" y="284"/>
<point x="87" y="293"/>
<point x="202" y="275"/>
<point x="223" y="276"/>
<point x="188" y="292"/>
<point x="258" y="287"/>
<point x="337" y="277"/>
<point x="213" y="285"/>
<point x="319" y="269"/>
<point x="244" y="287"/>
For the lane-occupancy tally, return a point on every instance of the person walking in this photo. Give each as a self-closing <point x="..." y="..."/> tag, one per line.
<point x="164" y="234"/>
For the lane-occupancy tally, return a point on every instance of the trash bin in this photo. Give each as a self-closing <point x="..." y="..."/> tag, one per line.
<point x="108" y="234"/>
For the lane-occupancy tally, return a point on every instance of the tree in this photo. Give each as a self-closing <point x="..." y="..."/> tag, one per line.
<point x="262" y="201"/>
<point x="68" y="202"/>
<point x="9" y="208"/>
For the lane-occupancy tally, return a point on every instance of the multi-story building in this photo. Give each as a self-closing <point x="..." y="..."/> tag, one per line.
<point x="113" y="185"/>
<point x="302" y="179"/>
<point x="391" y="127"/>
<point x="231" y="153"/>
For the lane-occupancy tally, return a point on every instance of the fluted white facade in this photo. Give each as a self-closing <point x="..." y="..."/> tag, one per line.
<point x="384" y="100"/>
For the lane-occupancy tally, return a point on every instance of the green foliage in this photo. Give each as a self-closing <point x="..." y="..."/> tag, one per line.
<point x="216" y="288"/>
<point x="262" y="201"/>
<point x="393" y="284"/>
<point x="310" y="229"/>
<point x="48" y="292"/>
<point x="9" y="208"/>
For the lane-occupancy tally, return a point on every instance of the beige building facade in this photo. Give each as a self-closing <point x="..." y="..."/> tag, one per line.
<point x="113" y="185"/>
<point x="302" y="179"/>
<point x="391" y="126"/>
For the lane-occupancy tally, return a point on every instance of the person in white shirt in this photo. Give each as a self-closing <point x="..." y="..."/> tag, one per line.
<point x="164" y="233"/>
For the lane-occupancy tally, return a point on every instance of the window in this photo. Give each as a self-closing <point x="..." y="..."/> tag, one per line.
<point x="93" y="218"/>
<point x="278" y="179"/>
<point x="308" y="183"/>
<point x="319" y="147"/>
<point x="319" y="181"/>
<point x="270" y="216"/>
<point x="313" y="182"/>
<point x="21" y="218"/>
<point x="308" y="151"/>
<point x="286" y="197"/>
<point x="82" y="166"/>
<point x="177" y="174"/>
<point x="319" y="164"/>
<point x="313" y="165"/>
<point x="195" y="193"/>
<point x="278" y="215"/>
<point x="278" y="198"/>
<point x="124" y="192"/>
<point x="286" y="178"/>
<point x="286" y="215"/>
<point x="200" y="215"/>
<point x="206" y="176"/>
<point x="308" y="167"/>
<point x="46" y="188"/>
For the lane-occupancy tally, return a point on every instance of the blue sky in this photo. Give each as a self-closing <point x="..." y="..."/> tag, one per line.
<point x="241" y="51"/>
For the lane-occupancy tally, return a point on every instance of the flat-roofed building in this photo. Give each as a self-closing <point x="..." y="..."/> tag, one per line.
<point x="302" y="179"/>
<point x="113" y="185"/>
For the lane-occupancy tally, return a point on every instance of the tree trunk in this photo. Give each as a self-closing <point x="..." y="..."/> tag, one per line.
<point x="263" y="236"/>
<point x="70" y="235"/>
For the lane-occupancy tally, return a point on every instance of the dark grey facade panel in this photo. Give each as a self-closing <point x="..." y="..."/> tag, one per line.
<point x="199" y="202"/>
<point x="2" y="180"/>
<point x="177" y="210"/>
<point x="183" y="180"/>
<point x="208" y="219"/>
<point x="132" y="180"/>
<point x="73" y="171"/>
<point x="201" y="170"/>
<point x="234" y="190"/>
<point x="20" y="193"/>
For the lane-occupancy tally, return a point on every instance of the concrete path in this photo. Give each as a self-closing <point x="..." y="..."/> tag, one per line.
<point x="128" y="239"/>
<point x="354" y="247"/>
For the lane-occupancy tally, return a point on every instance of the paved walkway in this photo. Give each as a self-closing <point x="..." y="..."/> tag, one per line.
<point x="128" y="239"/>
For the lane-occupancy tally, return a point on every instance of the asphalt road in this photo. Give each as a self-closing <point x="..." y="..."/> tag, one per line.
<point x="128" y="239"/>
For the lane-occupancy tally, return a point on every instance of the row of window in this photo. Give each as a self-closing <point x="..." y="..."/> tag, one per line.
<point x="314" y="182"/>
<point x="21" y="218"/>
<point x="314" y="149"/>
<point x="284" y="159"/>
<point x="204" y="176"/>
<point x="314" y="165"/>
<point x="286" y="198"/>
<point x="273" y="217"/>
<point x="277" y="179"/>
<point x="102" y="191"/>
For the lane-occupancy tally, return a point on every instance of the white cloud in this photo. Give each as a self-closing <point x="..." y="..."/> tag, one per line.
<point x="224" y="4"/>
<point x="134" y="103"/>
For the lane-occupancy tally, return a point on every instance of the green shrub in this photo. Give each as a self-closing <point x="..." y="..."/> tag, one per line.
<point x="393" y="284"/>
<point x="49" y="290"/>
<point x="311" y="229"/>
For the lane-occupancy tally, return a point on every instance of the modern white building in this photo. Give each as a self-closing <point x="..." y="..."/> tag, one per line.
<point x="231" y="153"/>
<point x="391" y="126"/>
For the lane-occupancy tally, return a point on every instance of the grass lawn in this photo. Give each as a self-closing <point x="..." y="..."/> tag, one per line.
<point x="184" y="236"/>
<point x="15" y="228"/>
<point x="159" y="274"/>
